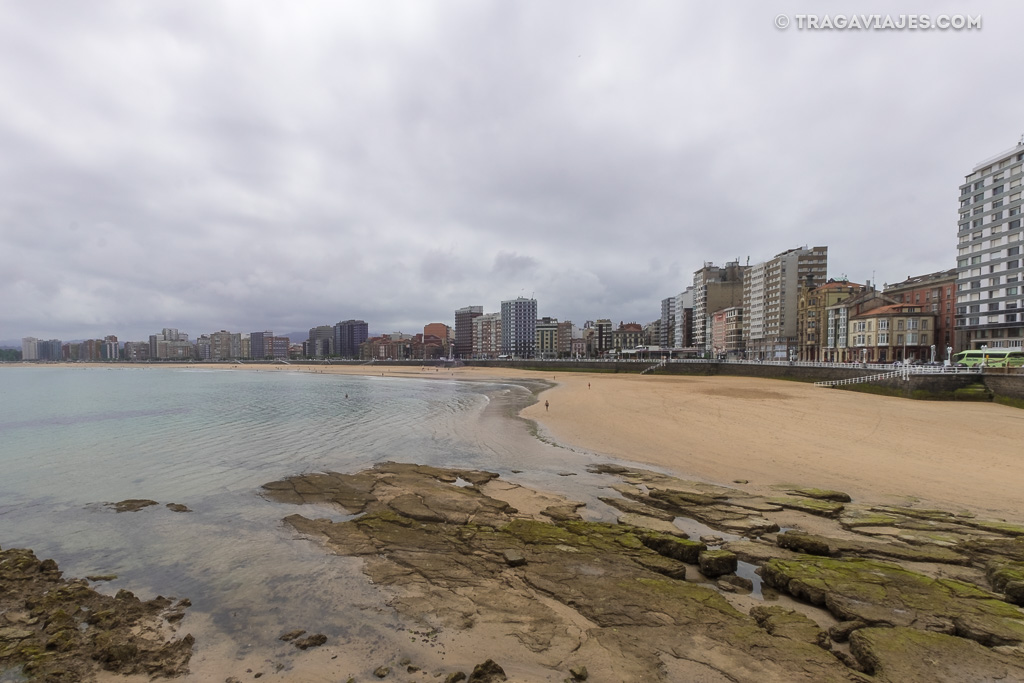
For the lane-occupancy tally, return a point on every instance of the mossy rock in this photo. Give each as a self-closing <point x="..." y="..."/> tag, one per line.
<point x="681" y="549"/>
<point x="1008" y="578"/>
<point x="813" y="544"/>
<point x="908" y="655"/>
<point x="820" y="508"/>
<point x="786" y="623"/>
<point x="820" y="494"/>
<point x="1003" y="528"/>
<point x="880" y="593"/>
<point x="862" y="520"/>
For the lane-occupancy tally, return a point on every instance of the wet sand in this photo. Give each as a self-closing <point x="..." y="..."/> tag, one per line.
<point x="879" y="449"/>
<point x="954" y="455"/>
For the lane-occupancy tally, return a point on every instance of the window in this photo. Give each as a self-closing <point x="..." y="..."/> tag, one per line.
<point x="883" y="324"/>
<point x="1013" y="251"/>
<point x="912" y="323"/>
<point x="883" y="338"/>
<point x="1011" y="317"/>
<point x="998" y="189"/>
<point x="924" y="339"/>
<point x="993" y="306"/>
<point x="924" y="324"/>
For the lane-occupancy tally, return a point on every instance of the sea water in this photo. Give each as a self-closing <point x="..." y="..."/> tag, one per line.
<point x="73" y="440"/>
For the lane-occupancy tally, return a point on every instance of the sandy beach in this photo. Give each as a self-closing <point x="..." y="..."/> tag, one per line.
<point x="957" y="456"/>
<point x="753" y="435"/>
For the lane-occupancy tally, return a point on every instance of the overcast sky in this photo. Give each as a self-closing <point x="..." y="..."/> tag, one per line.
<point x="264" y="165"/>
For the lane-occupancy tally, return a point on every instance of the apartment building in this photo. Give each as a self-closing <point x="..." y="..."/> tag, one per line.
<point x="771" y="291"/>
<point x="812" y="304"/>
<point x="934" y="292"/>
<point x="348" y="337"/>
<point x="464" y="330"/>
<point x="486" y="336"/>
<point x="519" y="327"/>
<point x="895" y="332"/>
<point x="989" y="300"/>
<point x="714" y="288"/>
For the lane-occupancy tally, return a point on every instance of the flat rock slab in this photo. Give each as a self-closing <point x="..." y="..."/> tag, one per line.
<point x="821" y="508"/>
<point x="814" y="544"/>
<point x="897" y="655"/>
<point x="884" y="594"/>
<point x="504" y="568"/>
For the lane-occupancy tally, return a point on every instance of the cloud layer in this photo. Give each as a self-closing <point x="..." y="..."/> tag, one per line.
<point x="252" y="165"/>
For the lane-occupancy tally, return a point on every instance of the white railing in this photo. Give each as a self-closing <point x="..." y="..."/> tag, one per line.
<point x="902" y="372"/>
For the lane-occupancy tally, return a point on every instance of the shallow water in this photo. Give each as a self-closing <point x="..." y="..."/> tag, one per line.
<point x="74" y="439"/>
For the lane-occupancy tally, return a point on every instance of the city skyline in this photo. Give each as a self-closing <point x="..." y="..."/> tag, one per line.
<point x="211" y="166"/>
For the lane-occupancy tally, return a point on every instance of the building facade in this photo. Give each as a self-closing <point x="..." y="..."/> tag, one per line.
<point x="988" y="267"/>
<point x="811" y="318"/>
<point x="934" y="292"/>
<point x="714" y="288"/>
<point x="348" y="337"/>
<point x="771" y="291"/>
<point x="486" y="336"/>
<point x="519" y="328"/>
<point x="836" y="335"/>
<point x="896" y="332"/>
<point x="464" y="330"/>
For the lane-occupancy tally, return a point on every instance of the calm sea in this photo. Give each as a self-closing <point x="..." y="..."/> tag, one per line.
<point x="74" y="439"/>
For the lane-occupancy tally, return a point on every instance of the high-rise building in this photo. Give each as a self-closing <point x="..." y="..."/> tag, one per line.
<point x="486" y="336"/>
<point x="989" y="302"/>
<point x="464" y="330"/>
<point x="684" y="319"/>
<point x="714" y="288"/>
<point x="261" y="345"/>
<point x="29" y="348"/>
<point x="667" y="329"/>
<point x="348" y="336"/>
<point x="321" y="342"/>
<point x="771" y="290"/>
<point x="519" y="327"/>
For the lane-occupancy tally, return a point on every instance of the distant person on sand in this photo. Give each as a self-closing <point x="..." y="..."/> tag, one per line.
<point x="546" y="406"/>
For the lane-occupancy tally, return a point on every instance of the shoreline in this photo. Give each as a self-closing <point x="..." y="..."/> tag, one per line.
<point x="762" y="432"/>
<point x="724" y="430"/>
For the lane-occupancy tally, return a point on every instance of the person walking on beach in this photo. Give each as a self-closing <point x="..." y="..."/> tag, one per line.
<point x="546" y="406"/>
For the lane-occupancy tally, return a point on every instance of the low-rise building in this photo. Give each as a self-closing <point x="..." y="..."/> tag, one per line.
<point x="895" y="332"/>
<point x="935" y="293"/>
<point x="811" y="319"/>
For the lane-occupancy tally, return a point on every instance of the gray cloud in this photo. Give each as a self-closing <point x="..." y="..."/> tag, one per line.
<point x="208" y="165"/>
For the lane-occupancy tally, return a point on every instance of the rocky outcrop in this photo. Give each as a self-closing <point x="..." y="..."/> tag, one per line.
<point x="883" y="594"/>
<point x="59" y="629"/>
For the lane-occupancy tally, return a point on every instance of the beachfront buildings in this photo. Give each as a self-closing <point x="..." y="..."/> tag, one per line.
<point x="486" y="336"/>
<point x="714" y="288"/>
<point x="934" y="293"/>
<point x="727" y="333"/>
<point x="771" y="290"/>
<point x="170" y="344"/>
<point x="812" y="304"/>
<point x="836" y="346"/>
<point x="348" y="337"/>
<point x="519" y="327"/>
<point x="464" y="330"/>
<point x="667" y="323"/>
<point x="894" y="332"/>
<point x="989" y="299"/>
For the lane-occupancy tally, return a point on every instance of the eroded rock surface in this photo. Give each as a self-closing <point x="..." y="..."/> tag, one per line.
<point x="567" y="588"/>
<point x="59" y="629"/>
